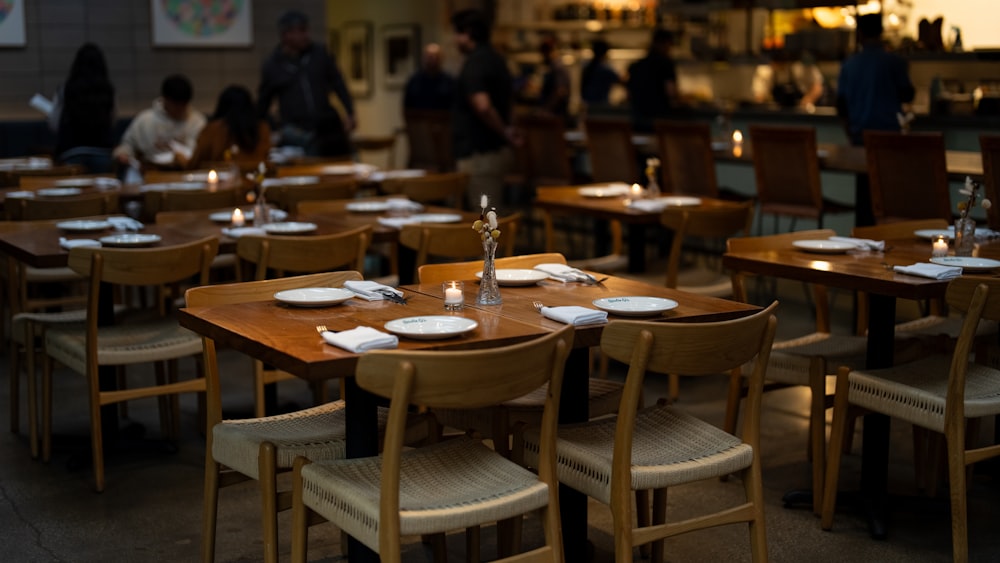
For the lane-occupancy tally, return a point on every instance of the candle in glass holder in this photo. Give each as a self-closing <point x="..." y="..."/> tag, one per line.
<point x="939" y="246"/>
<point x="453" y="297"/>
<point x="213" y="178"/>
<point x="238" y="220"/>
<point x="636" y="191"/>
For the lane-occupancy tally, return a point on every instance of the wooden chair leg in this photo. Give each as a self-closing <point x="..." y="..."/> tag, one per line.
<point x="674" y="387"/>
<point x="642" y="518"/>
<point x="46" y="409"/>
<point x="659" y="517"/>
<point x="817" y="428"/>
<point x="508" y="542"/>
<point x="15" y="385"/>
<point x="29" y="352"/>
<point x="835" y="448"/>
<point x="733" y="398"/>
<point x="473" y="543"/>
<point x="957" y="482"/>
<point x="268" y="479"/>
<point x="300" y="517"/>
<point x="210" y="509"/>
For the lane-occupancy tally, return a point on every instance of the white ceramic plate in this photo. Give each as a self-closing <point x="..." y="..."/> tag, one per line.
<point x="436" y="218"/>
<point x="967" y="263"/>
<point x="130" y="239"/>
<point x="299" y="180"/>
<point x="824" y="246"/>
<point x="680" y="200"/>
<point x="368" y="206"/>
<point x="432" y="327"/>
<point x="635" y="306"/>
<point x="173" y="186"/>
<point x="289" y="228"/>
<point x="314" y="296"/>
<point x="59" y="192"/>
<point x="73" y="182"/>
<point x="609" y="190"/>
<point x="83" y="225"/>
<point x="930" y="234"/>
<point x="514" y="277"/>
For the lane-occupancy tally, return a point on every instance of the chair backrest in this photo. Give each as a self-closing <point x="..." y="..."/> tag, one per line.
<point x="908" y="176"/>
<point x="288" y="197"/>
<point x="978" y="297"/>
<point x="716" y="221"/>
<point x="428" y="134"/>
<point x="786" y="168"/>
<point x="156" y="201"/>
<point x="305" y="254"/>
<point x="897" y="230"/>
<point x="86" y="205"/>
<point x="990" y="147"/>
<point x="436" y="273"/>
<point x="686" y="162"/>
<point x="35" y="182"/>
<point x="455" y="241"/>
<point x="446" y="188"/>
<point x="613" y="157"/>
<point x="545" y="152"/>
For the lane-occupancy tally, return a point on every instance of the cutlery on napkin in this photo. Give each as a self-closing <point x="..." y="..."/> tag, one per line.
<point x="575" y="315"/>
<point x="932" y="271"/>
<point x="121" y="223"/>
<point x="237" y="232"/>
<point x="361" y="339"/>
<point x="374" y="291"/>
<point x="565" y="273"/>
<point x="68" y="244"/>
<point x="862" y="243"/>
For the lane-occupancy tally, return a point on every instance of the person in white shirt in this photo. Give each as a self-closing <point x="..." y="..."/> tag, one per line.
<point x="170" y="126"/>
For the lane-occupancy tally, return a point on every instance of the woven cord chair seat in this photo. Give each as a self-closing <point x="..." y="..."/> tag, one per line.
<point x="789" y="362"/>
<point x="317" y="433"/>
<point x="916" y="392"/>
<point x="127" y="343"/>
<point x="934" y="325"/>
<point x="697" y="450"/>
<point x="50" y="275"/>
<point x="346" y="492"/>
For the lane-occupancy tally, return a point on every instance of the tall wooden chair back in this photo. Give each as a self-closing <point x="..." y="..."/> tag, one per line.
<point x="304" y="254"/>
<point x="288" y="197"/>
<point x="428" y="134"/>
<point x="686" y="162"/>
<point x="613" y="157"/>
<point x="156" y="201"/>
<point x="786" y="168"/>
<point x="436" y="273"/>
<point x="545" y="152"/>
<point x="989" y="145"/>
<point x="711" y="222"/>
<point x="452" y="241"/>
<point x="908" y="176"/>
<point x="86" y="205"/>
<point x="446" y="189"/>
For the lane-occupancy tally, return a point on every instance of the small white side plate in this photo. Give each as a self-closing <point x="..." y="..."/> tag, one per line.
<point x="607" y="190"/>
<point x="314" y="296"/>
<point x="83" y="225"/>
<point x="930" y="234"/>
<point x="967" y="263"/>
<point x="368" y="206"/>
<point x="289" y="228"/>
<point x="514" y="277"/>
<point x="635" y="306"/>
<point x="824" y="246"/>
<point x="436" y="217"/>
<point x="130" y="239"/>
<point x="431" y="327"/>
<point x="680" y="200"/>
<point x="59" y="192"/>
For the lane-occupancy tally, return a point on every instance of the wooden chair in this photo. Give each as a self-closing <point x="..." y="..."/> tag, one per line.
<point x="455" y="484"/>
<point x="428" y="134"/>
<point x="87" y="205"/>
<point x="805" y="360"/>
<point x="546" y="154"/>
<point x="260" y="448"/>
<point x="989" y="145"/>
<point x="85" y="349"/>
<point x="942" y="393"/>
<point x="686" y="162"/>
<point x="711" y="222"/>
<point x="440" y="240"/>
<point x="15" y="177"/>
<point x="908" y="176"/>
<point x="786" y="168"/>
<point x="288" y="197"/>
<point x="156" y="201"/>
<point x="437" y="273"/>
<point x="443" y="189"/>
<point x="613" y="157"/>
<point x="276" y="256"/>
<point x="33" y="183"/>
<point x="654" y="448"/>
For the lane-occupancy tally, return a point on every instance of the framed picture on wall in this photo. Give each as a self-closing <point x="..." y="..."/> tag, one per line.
<point x="201" y="24"/>
<point x="401" y="52"/>
<point x="356" y="58"/>
<point x="12" y="23"/>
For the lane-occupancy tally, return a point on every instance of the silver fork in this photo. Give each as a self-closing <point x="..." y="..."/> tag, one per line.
<point x="538" y="305"/>
<point x="321" y="329"/>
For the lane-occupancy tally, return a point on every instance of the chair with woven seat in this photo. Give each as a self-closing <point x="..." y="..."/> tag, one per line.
<point x="428" y="134"/>
<point x="658" y="447"/>
<point x="449" y="485"/>
<point x="908" y="175"/>
<point x="454" y="241"/>
<point x="708" y="222"/>
<point x="989" y="146"/>
<point x="786" y="169"/>
<point x="260" y="448"/>
<point x="441" y="189"/>
<point x="140" y="339"/>
<point x="686" y="162"/>
<point x="942" y="393"/>
<point x="288" y="197"/>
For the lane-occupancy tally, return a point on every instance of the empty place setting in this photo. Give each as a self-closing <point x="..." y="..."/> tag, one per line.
<point x="514" y="277"/>
<point x="314" y="296"/>
<point x="635" y="305"/>
<point x="431" y="327"/>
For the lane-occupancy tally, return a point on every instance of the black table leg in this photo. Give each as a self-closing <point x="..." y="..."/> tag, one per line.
<point x="636" y="249"/>
<point x="875" y="447"/>
<point x="361" y="416"/>
<point x="573" y="407"/>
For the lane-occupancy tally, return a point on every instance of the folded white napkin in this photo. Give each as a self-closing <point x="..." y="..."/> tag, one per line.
<point x="369" y="290"/>
<point x="575" y="315"/>
<point x="122" y="223"/>
<point x="933" y="271"/>
<point x="403" y="204"/>
<point x="68" y="244"/>
<point x="649" y="205"/>
<point x="237" y="232"/>
<point x="397" y="222"/>
<point x="20" y="193"/>
<point x="361" y="339"/>
<point x="862" y="243"/>
<point x="562" y="272"/>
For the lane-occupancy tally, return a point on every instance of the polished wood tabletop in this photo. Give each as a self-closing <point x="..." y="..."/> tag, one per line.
<point x="569" y="199"/>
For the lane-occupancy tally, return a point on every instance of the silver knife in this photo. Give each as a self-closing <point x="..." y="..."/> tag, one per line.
<point x="392" y="296"/>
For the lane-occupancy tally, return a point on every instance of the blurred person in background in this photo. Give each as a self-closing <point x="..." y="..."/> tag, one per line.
<point x="234" y="132"/>
<point x="652" y="83"/>
<point x="83" y="113"/>
<point x="430" y="87"/>
<point x="598" y="78"/>
<point x="156" y="135"/>
<point x="553" y="97"/>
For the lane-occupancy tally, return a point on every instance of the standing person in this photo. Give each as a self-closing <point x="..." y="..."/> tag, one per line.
<point x="83" y="113"/>
<point x="300" y="74"/>
<point x="554" y="95"/>
<point x="430" y="87"/>
<point x="873" y="84"/>
<point x="481" y="114"/>
<point x="234" y="129"/>
<point x="652" y="83"/>
<point x="598" y="78"/>
<point x="170" y="127"/>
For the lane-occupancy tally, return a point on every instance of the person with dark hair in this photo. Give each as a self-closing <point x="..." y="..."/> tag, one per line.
<point x="481" y="116"/>
<point x="554" y="94"/>
<point x="598" y="77"/>
<point x="168" y="128"/>
<point x="873" y="84"/>
<point x="83" y="112"/>
<point x="234" y="130"/>
<point x="430" y="87"/>
<point x="652" y="83"/>
<point x="300" y="74"/>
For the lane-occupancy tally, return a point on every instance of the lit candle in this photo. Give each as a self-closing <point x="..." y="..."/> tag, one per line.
<point x="636" y="191"/>
<point x="940" y="246"/>
<point x="238" y="219"/>
<point x="452" y="295"/>
<point x="737" y="137"/>
<point x="453" y="299"/>
<point x="213" y="178"/>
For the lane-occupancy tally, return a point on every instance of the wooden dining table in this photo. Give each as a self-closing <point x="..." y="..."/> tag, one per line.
<point x="286" y="338"/>
<point x="870" y="272"/>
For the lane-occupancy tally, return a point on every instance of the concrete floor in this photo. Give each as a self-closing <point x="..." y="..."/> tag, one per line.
<point x="151" y="510"/>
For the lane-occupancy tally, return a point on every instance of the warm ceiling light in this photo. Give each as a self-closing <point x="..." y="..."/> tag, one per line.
<point x="829" y="18"/>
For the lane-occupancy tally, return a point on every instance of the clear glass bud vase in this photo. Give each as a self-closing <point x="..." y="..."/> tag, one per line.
<point x="489" y="289"/>
<point x="965" y="236"/>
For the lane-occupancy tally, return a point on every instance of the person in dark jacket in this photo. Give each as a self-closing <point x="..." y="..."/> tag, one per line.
<point x="84" y="113"/>
<point x="430" y="87"/>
